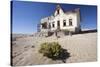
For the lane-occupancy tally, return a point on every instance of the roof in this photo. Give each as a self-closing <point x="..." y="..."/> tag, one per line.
<point x="66" y="12"/>
<point x="72" y="11"/>
<point x="69" y="11"/>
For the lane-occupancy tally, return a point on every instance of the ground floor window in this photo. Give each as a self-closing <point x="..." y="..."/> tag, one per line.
<point x="53" y="25"/>
<point x="64" y="22"/>
<point x="44" y="25"/>
<point x="49" y="25"/>
<point x="70" y="22"/>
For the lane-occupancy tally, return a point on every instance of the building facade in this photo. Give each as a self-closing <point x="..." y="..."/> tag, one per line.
<point x="61" y="21"/>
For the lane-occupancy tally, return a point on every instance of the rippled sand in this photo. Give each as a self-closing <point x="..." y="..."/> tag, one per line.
<point x="82" y="48"/>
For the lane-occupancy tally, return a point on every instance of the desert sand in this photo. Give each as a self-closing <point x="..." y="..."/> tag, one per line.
<point x="81" y="47"/>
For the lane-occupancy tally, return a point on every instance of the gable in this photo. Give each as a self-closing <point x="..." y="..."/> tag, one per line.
<point x="58" y="11"/>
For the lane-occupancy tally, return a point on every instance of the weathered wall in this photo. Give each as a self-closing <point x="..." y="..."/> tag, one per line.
<point x="75" y="16"/>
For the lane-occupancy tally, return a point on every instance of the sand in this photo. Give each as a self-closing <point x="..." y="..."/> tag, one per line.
<point x="81" y="47"/>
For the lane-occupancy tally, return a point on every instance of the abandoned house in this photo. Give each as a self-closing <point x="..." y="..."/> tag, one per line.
<point x="60" y="21"/>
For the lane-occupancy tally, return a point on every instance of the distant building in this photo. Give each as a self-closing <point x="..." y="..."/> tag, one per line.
<point x="61" y="21"/>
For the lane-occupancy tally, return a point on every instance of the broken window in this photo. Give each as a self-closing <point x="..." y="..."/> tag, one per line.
<point x="70" y="22"/>
<point x="53" y="25"/>
<point x="58" y="11"/>
<point x="58" y="23"/>
<point x="64" y="22"/>
<point x="44" y="25"/>
<point x="49" y="25"/>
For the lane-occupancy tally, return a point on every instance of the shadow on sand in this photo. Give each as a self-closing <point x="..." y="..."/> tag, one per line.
<point x="87" y="31"/>
<point x="63" y="56"/>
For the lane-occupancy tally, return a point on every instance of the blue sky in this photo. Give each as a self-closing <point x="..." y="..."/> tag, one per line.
<point x="26" y="15"/>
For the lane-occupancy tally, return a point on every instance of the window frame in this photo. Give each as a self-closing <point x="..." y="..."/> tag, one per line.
<point x="53" y="24"/>
<point x="64" y="23"/>
<point x="58" y="12"/>
<point x="70" y="22"/>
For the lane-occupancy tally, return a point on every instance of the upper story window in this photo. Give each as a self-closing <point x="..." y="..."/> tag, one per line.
<point x="64" y="22"/>
<point x="70" y="22"/>
<point x="58" y="11"/>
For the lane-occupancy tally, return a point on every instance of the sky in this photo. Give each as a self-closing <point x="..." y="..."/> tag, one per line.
<point x="26" y="15"/>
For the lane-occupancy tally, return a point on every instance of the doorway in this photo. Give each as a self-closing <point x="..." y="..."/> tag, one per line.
<point x="58" y="25"/>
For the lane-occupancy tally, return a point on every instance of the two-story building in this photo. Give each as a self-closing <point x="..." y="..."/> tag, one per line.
<point x="61" y="21"/>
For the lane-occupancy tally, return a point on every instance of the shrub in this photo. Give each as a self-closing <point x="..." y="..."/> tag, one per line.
<point x="51" y="50"/>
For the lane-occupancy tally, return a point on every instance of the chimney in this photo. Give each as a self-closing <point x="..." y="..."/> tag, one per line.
<point x="77" y="9"/>
<point x="58" y="7"/>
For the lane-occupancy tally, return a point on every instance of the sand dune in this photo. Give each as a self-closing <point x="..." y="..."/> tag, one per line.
<point x="82" y="48"/>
